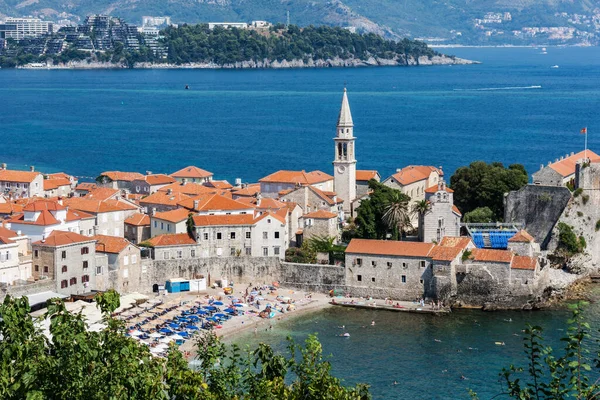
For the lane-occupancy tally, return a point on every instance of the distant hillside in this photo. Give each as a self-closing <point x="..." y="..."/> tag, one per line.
<point x="455" y="21"/>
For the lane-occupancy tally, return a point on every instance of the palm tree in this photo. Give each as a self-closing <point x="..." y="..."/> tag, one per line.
<point x="421" y="208"/>
<point x="396" y="213"/>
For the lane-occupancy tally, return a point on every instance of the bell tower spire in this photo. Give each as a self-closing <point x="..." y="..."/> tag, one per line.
<point x="344" y="162"/>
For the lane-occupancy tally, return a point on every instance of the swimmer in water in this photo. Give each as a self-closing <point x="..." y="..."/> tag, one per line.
<point x="464" y="378"/>
<point x="437" y="340"/>
<point x="373" y="323"/>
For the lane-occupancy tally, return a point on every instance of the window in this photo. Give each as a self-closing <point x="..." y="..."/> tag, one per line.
<point x="192" y="253"/>
<point x="265" y="251"/>
<point x="85" y="264"/>
<point x="248" y="251"/>
<point x="268" y="220"/>
<point x="90" y="232"/>
<point x="85" y="278"/>
<point x="219" y="251"/>
<point x="126" y="260"/>
<point x="85" y="250"/>
<point x="166" y="255"/>
<point x="373" y="279"/>
<point x="134" y="258"/>
<point x="45" y="269"/>
<point x="99" y="270"/>
<point x="403" y="278"/>
<point x="36" y="268"/>
<point x="162" y="226"/>
<point x="206" y="236"/>
<point x="36" y="253"/>
<point x="64" y="269"/>
<point x="374" y="263"/>
<point x="218" y="235"/>
<point x="404" y="265"/>
<point x="389" y="264"/>
<point x="276" y="251"/>
<point x="156" y="224"/>
<point x="73" y="281"/>
<point x="125" y="273"/>
<point x="179" y="253"/>
<point x="232" y="235"/>
<point x="265" y="235"/>
<point x="248" y="235"/>
<point x="63" y="255"/>
<point x="359" y="278"/>
<point x="422" y="264"/>
<point x="276" y="235"/>
<point x="64" y="284"/>
<point x="421" y="281"/>
<point x="359" y="261"/>
<point x="232" y="251"/>
<point x="168" y="227"/>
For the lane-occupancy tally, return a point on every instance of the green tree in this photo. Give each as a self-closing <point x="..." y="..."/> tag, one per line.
<point x="396" y="216"/>
<point x="479" y="215"/>
<point x="484" y="185"/>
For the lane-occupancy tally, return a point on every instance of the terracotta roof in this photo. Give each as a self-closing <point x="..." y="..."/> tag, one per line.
<point x="500" y="256"/>
<point x="86" y="186"/>
<point x="389" y="248"/>
<point x="7" y="175"/>
<point x="453" y="241"/>
<point x="10" y="208"/>
<point x="6" y="235"/>
<point x="97" y="206"/>
<point x="174" y="239"/>
<point x="61" y="175"/>
<point x="163" y="198"/>
<point x="366" y="175"/>
<point x="110" y="244"/>
<point x="74" y="215"/>
<point x="321" y="214"/>
<point x="101" y="193"/>
<point x="177" y="215"/>
<point x="62" y="238"/>
<point x="224" y="220"/>
<point x="248" y="191"/>
<point x="190" y="188"/>
<point x="297" y="177"/>
<point x="44" y="219"/>
<point x="441" y="253"/>
<point x="138" y="219"/>
<point x="456" y="210"/>
<point x="524" y="262"/>
<point x="436" y="188"/>
<point x="51" y="184"/>
<point x="123" y="176"/>
<point x="414" y="173"/>
<point x="522" y="237"/>
<point x="40" y="205"/>
<point x="158" y="179"/>
<point x="325" y="197"/>
<point x="284" y="192"/>
<point x="192" y="172"/>
<point x="279" y="217"/>
<point x="218" y="184"/>
<point x="566" y="166"/>
<point x="213" y="202"/>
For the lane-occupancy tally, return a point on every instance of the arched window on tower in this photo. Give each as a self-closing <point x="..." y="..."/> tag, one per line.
<point x="345" y="147"/>
<point x="339" y="151"/>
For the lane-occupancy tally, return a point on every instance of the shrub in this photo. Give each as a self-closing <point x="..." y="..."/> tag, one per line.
<point x="466" y="255"/>
<point x="585" y="198"/>
<point x="579" y="214"/>
<point x="598" y="225"/>
<point x="567" y="240"/>
<point x="577" y="192"/>
<point x="582" y="243"/>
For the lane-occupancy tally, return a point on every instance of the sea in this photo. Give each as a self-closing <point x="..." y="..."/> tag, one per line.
<point x="518" y="106"/>
<point x="513" y="108"/>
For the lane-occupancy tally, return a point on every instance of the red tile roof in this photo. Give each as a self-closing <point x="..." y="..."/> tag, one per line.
<point x="73" y="215"/>
<point x="218" y="184"/>
<point x="454" y="241"/>
<point x="110" y="244"/>
<point x="163" y="198"/>
<point x="522" y="237"/>
<point x="320" y="214"/>
<point x="456" y="210"/>
<point x="224" y="220"/>
<point x="190" y="188"/>
<point x="138" y="219"/>
<point x="248" y="191"/>
<point x="213" y="202"/>
<point x="10" y="208"/>
<point x="436" y="188"/>
<point x="61" y="175"/>
<point x="97" y="206"/>
<point x="389" y="248"/>
<point x="51" y="184"/>
<point x="123" y="176"/>
<point x="192" y="172"/>
<point x="177" y="215"/>
<point x="277" y="216"/>
<point x="6" y="235"/>
<point x="524" y="262"/>
<point x="158" y="179"/>
<point x="441" y="253"/>
<point x="500" y="256"/>
<point x="86" y="186"/>
<point x="174" y="239"/>
<point x="414" y="173"/>
<point x="297" y="177"/>
<point x="62" y="238"/>
<point x="44" y="219"/>
<point x="102" y="193"/>
<point x="366" y="175"/>
<point x="566" y="166"/>
<point x="7" y="175"/>
<point x="40" y="205"/>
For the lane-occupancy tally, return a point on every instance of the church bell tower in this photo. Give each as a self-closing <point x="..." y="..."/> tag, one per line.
<point x="344" y="163"/>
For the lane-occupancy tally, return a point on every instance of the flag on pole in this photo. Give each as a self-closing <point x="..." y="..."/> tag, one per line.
<point x="583" y="131"/>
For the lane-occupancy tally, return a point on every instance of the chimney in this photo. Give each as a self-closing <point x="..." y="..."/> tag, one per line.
<point x="3" y="166"/>
<point x="169" y="191"/>
<point x="549" y="162"/>
<point x="556" y="160"/>
<point x="196" y="204"/>
<point x="60" y="200"/>
<point x="95" y="230"/>
<point x="183" y="181"/>
<point x="148" y="172"/>
<point x="43" y="238"/>
<point x="541" y="166"/>
<point x="153" y="211"/>
<point x="572" y="153"/>
<point x="561" y="158"/>
<point x="258" y="199"/>
<point x="18" y="233"/>
<point x="32" y="168"/>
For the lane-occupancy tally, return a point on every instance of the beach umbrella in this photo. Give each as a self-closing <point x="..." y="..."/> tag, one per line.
<point x="210" y="308"/>
<point x="194" y="318"/>
<point x="202" y="312"/>
<point x="254" y="293"/>
<point x="259" y="298"/>
<point x="177" y="337"/>
<point x="174" y="326"/>
<point x="155" y="335"/>
<point x="229" y="310"/>
<point x="184" y="335"/>
<point x="192" y="327"/>
<point x="220" y="315"/>
<point x="217" y="303"/>
<point x="166" y="339"/>
<point x="135" y="333"/>
<point x="240" y="305"/>
<point x="165" y="330"/>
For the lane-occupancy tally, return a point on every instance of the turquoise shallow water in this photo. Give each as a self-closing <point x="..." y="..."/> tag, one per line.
<point x="248" y="123"/>
<point x="402" y="347"/>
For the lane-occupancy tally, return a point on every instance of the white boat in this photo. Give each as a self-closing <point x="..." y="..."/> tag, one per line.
<point x="554" y="66"/>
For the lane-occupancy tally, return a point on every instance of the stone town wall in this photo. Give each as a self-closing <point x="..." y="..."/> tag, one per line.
<point x="538" y="208"/>
<point x="46" y="285"/>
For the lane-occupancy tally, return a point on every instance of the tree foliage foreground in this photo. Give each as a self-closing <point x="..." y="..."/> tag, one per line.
<point x="75" y="363"/>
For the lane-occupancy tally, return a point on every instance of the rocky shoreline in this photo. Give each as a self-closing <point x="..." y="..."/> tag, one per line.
<point x="266" y="64"/>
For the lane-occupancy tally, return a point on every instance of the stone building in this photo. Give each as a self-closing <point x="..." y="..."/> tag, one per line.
<point x="174" y="221"/>
<point x="110" y="214"/>
<point x="124" y="264"/>
<point x="215" y="204"/>
<point x="344" y="162"/>
<point x="320" y="223"/>
<point x="137" y="228"/>
<point x="175" y="246"/>
<point x="192" y="174"/>
<point x="562" y="171"/>
<point x="282" y="181"/>
<point x="189" y="188"/>
<point x="362" y="181"/>
<point x="151" y="183"/>
<point x="443" y="218"/>
<point x="311" y="199"/>
<point x="524" y="244"/>
<point x="163" y="201"/>
<point x="120" y="180"/>
<point x="68" y="258"/>
<point x="15" y="257"/>
<point x="20" y="184"/>
<point x="55" y="186"/>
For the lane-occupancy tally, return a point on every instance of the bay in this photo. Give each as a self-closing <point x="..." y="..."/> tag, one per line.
<point x="249" y="123"/>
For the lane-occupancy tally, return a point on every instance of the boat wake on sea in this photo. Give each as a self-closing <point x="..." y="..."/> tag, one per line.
<point x="503" y="88"/>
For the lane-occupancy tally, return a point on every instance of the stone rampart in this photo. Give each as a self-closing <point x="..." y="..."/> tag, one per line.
<point x="46" y="285"/>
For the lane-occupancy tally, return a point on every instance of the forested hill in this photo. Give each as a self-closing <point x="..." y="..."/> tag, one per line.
<point x="197" y="43"/>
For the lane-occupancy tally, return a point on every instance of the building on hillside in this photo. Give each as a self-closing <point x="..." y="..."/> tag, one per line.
<point x="21" y="184"/>
<point x="227" y="25"/>
<point x="110" y="214"/>
<point x="84" y="188"/>
<point x="221" y="185"/>
<point x="57" y="186"/>
<point x="15" y="257"/>
<point x="442" y="218"/>
<point x="124" y="264"/>
<point x="119" y="179"/>
<point x="344" y="163"/>
<point x="41" y="217"/>
<point x="103" y="193"/>
<point x="172" y="247"/>
<point x="562" y="171"/>
<point x="362" y="181"/>
<point x="173" y="221"/>
<point x="216" y="204"/>
<point x="151" y="183"/>
<point x="190" y="188"/>
<point x="192" y="174"/>
<point x="162" y="201"/>
<point x="246" y="190"/>
<point x="523" y="244"/>
<point x="320" y="223"/>
<point x="24" y="28"/>
<point x="69" y="259"/>
<point x="280" y="181"/>
<point x="311" y="199"/>
<point x="137" y="228"/>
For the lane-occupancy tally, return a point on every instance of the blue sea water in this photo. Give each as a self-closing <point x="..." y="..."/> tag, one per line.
<point x="249" y="123"/>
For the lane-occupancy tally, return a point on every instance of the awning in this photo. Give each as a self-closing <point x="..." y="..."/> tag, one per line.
<point x="43" y="297"/>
